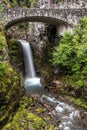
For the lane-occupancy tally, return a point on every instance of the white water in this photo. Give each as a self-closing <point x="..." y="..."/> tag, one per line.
<point x="69" y="117"/>
<point x="32" y="83"/>
<point x="28" y="59"/>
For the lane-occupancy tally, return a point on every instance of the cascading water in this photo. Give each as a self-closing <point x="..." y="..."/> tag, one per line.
<point x="69" y="117"/>
<point x="28" y="59"/>
<point x="32" y="83"/>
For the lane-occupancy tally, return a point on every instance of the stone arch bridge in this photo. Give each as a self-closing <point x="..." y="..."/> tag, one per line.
<point x="66" y="17"/>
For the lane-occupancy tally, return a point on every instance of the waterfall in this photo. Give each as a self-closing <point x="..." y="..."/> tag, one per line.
<point x="28" y="59"/>
<point x="32" y="83"/>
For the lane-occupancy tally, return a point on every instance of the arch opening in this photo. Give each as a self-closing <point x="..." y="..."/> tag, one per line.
<point x="43" y="19"/>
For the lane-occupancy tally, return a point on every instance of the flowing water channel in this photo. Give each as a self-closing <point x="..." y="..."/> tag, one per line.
<point x="69" y="116"/>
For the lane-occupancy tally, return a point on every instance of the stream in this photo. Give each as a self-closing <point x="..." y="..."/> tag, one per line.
<point x="70" y="117"/>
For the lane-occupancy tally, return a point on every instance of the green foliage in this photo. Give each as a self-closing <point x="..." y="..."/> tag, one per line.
<point x="2" y="41"/>
<point x="71" y="53"/>
<point x="79" y="102"/>
<point x="2" y="70"/>
<point x="1" y="8"/>
<point x="10" y="87"/>
<point x="56" y="1"/>
<point x="15" y="52"/>
<point x="32" y="2"/>
<point x="28" y="3"/>
<point x="23" y="25"/>
<point x="80" y="83"/>
<point x="7" y="3"/>
<point x="63" y="51"/>
<point x="9" y="91"/>
<point x="24" y="119"/>
<point x="1" y="58"/>
<point x="2" y="45"/>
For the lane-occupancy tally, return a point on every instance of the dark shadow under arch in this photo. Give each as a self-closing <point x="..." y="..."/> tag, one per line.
<point x="48" y="20"/>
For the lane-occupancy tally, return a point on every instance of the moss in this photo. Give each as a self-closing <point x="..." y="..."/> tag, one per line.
<point x="9" y="91"/>
<point x="2" y="70"/>
<point x="7" y="3"/>
<point x="1" y="8"/>
<point x="2" y="41"/>
<point x="10" y="87"/>
<point x="51" y="127"/>
<point x="40" y="110"/>
<point x="24" y="119"/>
<point x="35" y="121"/>
<point x="80" y="102"/>
<point x="14" y="3"/>
<point x="15" y="52"/>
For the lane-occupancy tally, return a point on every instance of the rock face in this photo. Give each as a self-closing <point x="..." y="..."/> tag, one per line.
<point x="37" y="35"/>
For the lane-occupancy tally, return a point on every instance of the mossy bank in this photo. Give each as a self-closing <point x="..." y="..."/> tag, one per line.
<point x="10" y="84"/>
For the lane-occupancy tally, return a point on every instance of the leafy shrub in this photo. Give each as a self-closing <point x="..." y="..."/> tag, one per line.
<point x="71" y="53"/>
<point x="27" y="3"/>
<point x="15" y="51"/>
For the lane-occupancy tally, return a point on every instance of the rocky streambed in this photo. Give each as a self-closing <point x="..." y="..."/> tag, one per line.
<point x="40" y="110"/>
<point x="56" y="113"/>
<point x="70" y="118"/>
<point x="47" y="113"/>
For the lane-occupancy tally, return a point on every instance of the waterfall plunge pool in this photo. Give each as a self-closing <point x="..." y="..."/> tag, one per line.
<point x="33" y="86"/>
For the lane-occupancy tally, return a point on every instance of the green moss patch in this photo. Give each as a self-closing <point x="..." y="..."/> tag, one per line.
<point x="10" y="85"/>
<point x="80" y="102"/>
<point x="24" y="118"/>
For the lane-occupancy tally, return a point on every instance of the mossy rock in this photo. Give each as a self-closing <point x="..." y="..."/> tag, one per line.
<point x="10" y="84"/>
<point x="10" y="91"/>
<point x="23" y="118"/>
<point x="15" y="53"/>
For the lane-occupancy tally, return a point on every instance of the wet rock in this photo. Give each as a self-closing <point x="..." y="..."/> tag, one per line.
<point x="77" y="114"/>
<point x="78" y="92"/>
<point x="72" y="93"/>
<point x="59" y="108"/>
<point x="85" y="83"/>
<point x="56" y="128"/>
<point x="58" y="84"/>
<point x="85" y="92"/>
<point x="66" y="128"/>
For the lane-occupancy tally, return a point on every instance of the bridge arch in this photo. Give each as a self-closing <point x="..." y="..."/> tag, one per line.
<point x="67" y="16"/>
<point x="44" y="19"/>
<point x="50" y="16"/>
